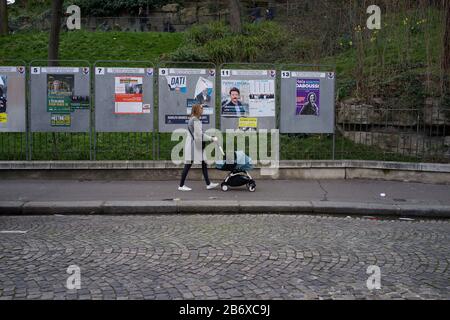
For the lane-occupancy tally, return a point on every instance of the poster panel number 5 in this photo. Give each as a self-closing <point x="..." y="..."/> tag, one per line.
<point x="35" y="70"/>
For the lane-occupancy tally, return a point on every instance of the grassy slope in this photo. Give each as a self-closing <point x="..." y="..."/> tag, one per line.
<point x="91" y="46"/>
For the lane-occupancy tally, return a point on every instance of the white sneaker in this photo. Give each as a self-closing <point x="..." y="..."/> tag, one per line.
<point x="212" y="186"/>
<point x="184" y="188"/>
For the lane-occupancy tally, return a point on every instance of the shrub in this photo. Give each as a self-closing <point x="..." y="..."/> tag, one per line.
<point x="215" y="42"/>
<point x="189" y="53"/>
<point x="202" y="34"/>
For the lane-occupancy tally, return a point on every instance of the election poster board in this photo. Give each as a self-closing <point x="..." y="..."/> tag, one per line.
<point x="179" y="90"/>
<point x="60" y="99"/>
<point x="12" y="99"/>
<point x="123" y="99"/>
<point x="248" y="99"/>
<point x="307" y="102"/>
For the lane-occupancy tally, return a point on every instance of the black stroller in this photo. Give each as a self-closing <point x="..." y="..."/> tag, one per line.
<point x="238" y="175"/>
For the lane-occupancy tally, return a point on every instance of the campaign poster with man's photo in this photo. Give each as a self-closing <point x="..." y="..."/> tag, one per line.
<point x="248" y="98"/>
<point x="235" y="96"/>
<point x="3" y="98"/>
<point x="128" y="97"/>
<point x="202" y="95"/>
<point x="308" y="97"/>
<point x="59" y="92"/>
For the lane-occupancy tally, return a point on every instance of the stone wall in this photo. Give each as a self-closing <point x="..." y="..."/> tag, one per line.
<point x="412" y="132"/>
<point x="180" y="18"/>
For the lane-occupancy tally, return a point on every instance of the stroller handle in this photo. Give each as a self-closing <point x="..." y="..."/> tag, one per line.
<point x="220" y="148"/>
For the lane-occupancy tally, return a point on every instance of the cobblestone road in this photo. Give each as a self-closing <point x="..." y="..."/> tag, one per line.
<point x="222" y="257"/>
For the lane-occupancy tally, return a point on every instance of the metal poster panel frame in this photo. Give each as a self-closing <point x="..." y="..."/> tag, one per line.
<point x="308" y="99"/>
<point x="139" y="96"/>
<point x="255" y="102"/>
<point x="71" y="102"/>
<point x="24" y="127"/>
<point x="183" y="95"/>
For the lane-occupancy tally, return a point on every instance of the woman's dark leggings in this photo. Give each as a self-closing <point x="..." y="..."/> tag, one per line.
<point x="188" y="166"/>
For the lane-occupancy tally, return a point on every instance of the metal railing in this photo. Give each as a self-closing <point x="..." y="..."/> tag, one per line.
<point x="363" y="133"/>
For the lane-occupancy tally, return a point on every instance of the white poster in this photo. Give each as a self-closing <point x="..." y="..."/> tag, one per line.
<point x="262" y="98"/>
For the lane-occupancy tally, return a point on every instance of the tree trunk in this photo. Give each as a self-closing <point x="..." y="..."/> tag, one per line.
<point x="3" y="18"/>
<point x="446" y="44"/>
<point x="53" y="51"/>
<point x="53" y="43"/>
<point x="235" y="16"/>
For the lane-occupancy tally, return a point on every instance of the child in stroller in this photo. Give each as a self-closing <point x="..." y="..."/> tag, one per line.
<point x="238" y="169"/>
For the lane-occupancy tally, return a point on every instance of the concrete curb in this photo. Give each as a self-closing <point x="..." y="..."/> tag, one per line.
<point x="166" y="170"/>
<point x="221" y="207"/>
<point x="283" y="164"/>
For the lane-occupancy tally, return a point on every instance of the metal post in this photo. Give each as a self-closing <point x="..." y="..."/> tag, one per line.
<point x="27" y="118"/>
<point x="334" y="147"/>
<point x="158" y="144"/>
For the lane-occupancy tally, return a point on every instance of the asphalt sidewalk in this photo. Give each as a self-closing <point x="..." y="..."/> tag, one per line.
<point x="347" y="197"/>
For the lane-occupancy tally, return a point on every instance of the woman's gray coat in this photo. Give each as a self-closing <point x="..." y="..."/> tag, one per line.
<point x="193" y="147"/>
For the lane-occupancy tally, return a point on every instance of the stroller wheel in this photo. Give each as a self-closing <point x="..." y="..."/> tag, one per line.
<point x="251" y="187"/>
<point x="224" y="187"/>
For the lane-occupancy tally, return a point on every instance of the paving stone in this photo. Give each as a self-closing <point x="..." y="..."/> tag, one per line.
<point x="223" y="257"/>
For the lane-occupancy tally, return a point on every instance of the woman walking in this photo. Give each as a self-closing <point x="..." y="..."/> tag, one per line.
<point x="193" y="148"/>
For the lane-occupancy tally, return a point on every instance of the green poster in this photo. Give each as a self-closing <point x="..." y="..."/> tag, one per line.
<point x="59" y="92"/>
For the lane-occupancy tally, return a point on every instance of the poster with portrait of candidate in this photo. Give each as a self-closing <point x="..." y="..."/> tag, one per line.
<point x="248" y="98"/>
<point x="59" y="92"/>
<point x="235" y="97"/>
<point x="202" y="95"/>
<point x="308" y="97"/>
<point x="3" y="97"/>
